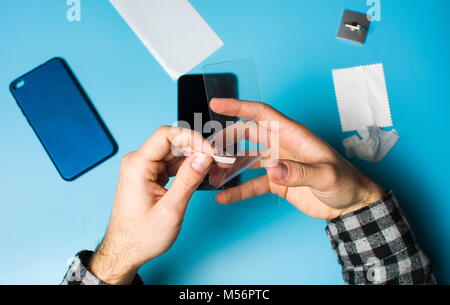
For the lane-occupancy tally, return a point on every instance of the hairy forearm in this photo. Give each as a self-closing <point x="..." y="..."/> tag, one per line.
<point x="111" y="265"/>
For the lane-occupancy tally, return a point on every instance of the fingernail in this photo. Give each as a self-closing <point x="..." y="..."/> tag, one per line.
<point x="279" y="172"/>
<point x="201" y="163"/>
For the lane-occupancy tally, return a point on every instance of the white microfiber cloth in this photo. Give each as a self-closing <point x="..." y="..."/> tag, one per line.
<point x="172" y="30"/>
<point x="363" y="106"/>
<point x="362" y="97"/>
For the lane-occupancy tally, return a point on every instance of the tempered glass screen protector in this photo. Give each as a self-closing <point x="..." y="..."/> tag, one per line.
<point x="63" y="118"/>
<point x="242" y="138"/>
<point x="229" y="138"/>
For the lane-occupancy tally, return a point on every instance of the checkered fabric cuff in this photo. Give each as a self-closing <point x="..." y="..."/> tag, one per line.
<point x="78" y="273"/>
<point x="375" y="245"/>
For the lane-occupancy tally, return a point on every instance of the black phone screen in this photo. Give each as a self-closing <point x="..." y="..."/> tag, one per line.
<point x="192" y="99"/>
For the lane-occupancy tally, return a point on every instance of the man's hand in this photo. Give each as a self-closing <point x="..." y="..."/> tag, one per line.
<point x="310" y="174"/>
<point x="146" y="217"/>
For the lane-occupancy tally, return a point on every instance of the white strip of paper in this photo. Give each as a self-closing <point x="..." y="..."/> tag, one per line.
<point x="172" y="30"/>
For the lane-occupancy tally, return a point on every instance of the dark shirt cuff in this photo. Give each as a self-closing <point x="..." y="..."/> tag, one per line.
<point x="79" y="274"/>
<point x="375" y="245"/>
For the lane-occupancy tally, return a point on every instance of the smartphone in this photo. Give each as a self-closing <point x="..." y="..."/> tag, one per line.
<point x="193" y="98"/>
<point x="63" y="118"/>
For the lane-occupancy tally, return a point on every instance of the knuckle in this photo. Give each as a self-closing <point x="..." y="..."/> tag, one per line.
<point x="331" y="175"/>
<point x="303" y="128"/>
<point x="268" y="110"/>
<point x="164" y="128"/>
<point x="226" y="197"/>
<point x="126" y="161"/>
<point x="254" y="188"/>
<point x="188" y="181"/>
<point x="299" y="173"/>
<point x="181" y="136"/>
<point x="194" y="133"/>
<point x="268" y="107"/>
<point x="170" y="215"/>
<point x="188" y="137"/>
<point x="194" y="138"/>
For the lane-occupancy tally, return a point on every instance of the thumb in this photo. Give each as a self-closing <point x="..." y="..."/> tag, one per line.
<point x="189" y="176"/>
<point x="291" y="173"/>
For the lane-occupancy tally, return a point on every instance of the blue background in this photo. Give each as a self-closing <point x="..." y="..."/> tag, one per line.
<point x="44" y="221"/>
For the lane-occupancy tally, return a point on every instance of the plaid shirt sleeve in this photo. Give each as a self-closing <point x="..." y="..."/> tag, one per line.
<point x="375" y="246"/>
<point x="78" y="273"/>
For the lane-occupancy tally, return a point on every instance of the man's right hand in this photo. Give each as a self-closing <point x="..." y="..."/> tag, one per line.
<point x="147" y="216"/>
<point x="309" y="173"/>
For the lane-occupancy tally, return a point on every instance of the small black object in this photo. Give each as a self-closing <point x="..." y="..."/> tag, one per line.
<point x="354" y="26"/>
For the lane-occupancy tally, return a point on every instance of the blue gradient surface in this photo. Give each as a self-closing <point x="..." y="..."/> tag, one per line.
<point x="45" y="221"/>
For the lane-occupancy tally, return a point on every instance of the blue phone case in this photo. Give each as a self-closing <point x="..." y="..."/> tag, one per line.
<point x="63" y="118"/>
